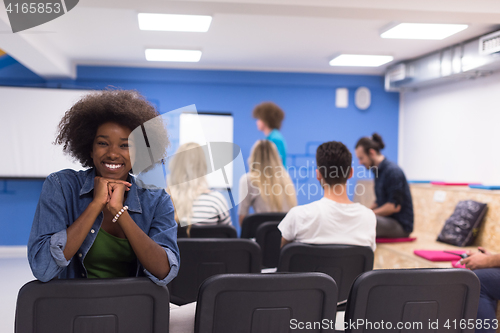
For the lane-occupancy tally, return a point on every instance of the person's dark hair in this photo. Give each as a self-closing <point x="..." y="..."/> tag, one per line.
<point x="334" y="162"/>
<point x="271" y="114"/>
<point x="375" y="142"/>
<point x="79" y="125"/>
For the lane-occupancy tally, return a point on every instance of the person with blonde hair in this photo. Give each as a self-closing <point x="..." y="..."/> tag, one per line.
<point x="193" y="200"/>
<point x="270" y="188"/>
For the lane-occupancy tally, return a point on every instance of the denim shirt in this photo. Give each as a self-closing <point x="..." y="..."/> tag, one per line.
<point x="65" y="195"/>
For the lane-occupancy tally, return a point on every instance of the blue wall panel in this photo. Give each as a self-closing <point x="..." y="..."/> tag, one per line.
<point x="308" y="100"/>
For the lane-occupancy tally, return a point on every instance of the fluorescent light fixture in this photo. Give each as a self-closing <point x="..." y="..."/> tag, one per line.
<point x="173" y="55"/>
<point x="423" y="31"/>
<point x="171" y="22"/>
<point x="360" y="60"/>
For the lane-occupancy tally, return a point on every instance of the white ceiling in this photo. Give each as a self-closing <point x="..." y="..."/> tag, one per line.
<point x="268" y="35"/>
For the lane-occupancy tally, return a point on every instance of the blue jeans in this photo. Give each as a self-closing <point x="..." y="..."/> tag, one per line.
<point x="490" y="294"/>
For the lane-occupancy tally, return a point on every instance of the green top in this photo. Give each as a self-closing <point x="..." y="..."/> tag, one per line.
<point x="110" y="257"/>
<point x="277" y="138"/>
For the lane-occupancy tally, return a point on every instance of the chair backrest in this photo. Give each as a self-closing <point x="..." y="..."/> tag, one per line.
<point x="251" y="222"/>
<point x="204" y="257"/>
<point x="250" y="303"/>
<point x="92" y="305"/>
<point x="213" y="231"/>
<point x="413" y="296"/>
<point x="268" y="237"/>
<point x="342" y="262"/>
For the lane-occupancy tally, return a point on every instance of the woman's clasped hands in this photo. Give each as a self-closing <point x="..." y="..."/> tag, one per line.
<point x="110" y="193"/>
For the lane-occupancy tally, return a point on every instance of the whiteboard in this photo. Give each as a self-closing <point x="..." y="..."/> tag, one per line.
<point x="214" y="128"/>
<point x="450" y="132"/>
<point x="204" y="128"/>
<point x="28" y="126"/>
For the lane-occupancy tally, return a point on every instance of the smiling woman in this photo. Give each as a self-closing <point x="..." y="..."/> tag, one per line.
<point x="98" y="223"/>
<point x="110" y="151"/>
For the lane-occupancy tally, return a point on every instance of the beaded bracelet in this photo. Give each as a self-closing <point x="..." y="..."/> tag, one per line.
<point x="117" y="216"/>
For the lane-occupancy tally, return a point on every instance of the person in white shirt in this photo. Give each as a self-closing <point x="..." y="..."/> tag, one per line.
<point x="334" y="219"/>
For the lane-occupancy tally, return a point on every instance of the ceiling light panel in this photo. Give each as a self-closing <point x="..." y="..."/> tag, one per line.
<point x="423" y="31"/>
<point x="359" y="60"/>
<point x="171" y="22"/>
<point x="173" y="55"/>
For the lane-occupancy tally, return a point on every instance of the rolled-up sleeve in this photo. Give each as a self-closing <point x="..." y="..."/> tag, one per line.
<point x="164" y="232"/>
<point x="57" y="245"/>
<point x="174" y="269"/>
<point x="47" y="238"/>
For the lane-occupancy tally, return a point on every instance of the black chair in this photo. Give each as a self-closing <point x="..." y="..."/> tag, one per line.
<point x="208" y="231"/>
<point x="251" y="222"/>
<point x="204" y="257"/>
<point x="413" y="296"/>
<point x="92" y="305"/>
<point x="268" y="237"/>
<point x="248" y="303"/>
<point x="342" y="262"/>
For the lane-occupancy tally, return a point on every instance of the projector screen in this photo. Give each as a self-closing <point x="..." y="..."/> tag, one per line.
<point x="203" y="128"/>
<point x="29" y="119"/>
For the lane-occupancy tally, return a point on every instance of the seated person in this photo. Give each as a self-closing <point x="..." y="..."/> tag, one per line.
<point x="334" y="219"/>
<point x="99" y="223"/>
<point x="270" y="188"/>
<point x="393" y="206"/>
<point x="487" y="268"/>
<point x="89" y="224"/>
<point x="269" y="117"/>
<point x="194" y="202"/>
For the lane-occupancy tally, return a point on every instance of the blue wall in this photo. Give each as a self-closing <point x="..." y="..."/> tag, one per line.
<point x="308" y="100"/>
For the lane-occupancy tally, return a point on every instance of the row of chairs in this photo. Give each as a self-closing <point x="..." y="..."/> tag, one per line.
<point x="223" y="276"/>
<point x="262" y="227"/>
<point x="202" y="258"/>
<point x="249" y="227"/>
<point x="257" y="303"/>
